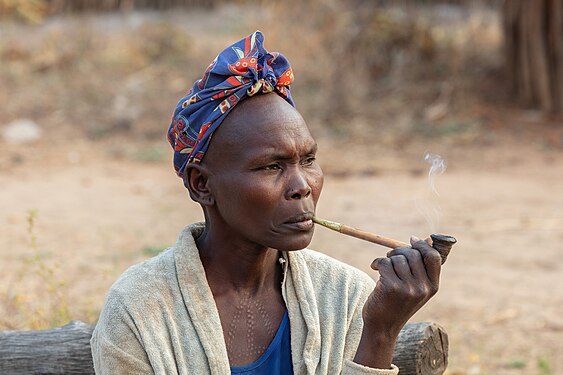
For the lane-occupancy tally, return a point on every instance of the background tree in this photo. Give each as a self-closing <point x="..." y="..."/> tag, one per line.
<point x="533" y="32"/>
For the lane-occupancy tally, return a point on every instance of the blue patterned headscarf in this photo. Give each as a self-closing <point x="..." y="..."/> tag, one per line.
<point x="243" y="69"/>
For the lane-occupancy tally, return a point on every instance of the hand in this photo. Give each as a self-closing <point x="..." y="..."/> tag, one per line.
<point x="409" y="277"/>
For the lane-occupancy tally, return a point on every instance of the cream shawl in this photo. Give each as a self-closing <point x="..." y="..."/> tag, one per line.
<point x="160" y="316"/>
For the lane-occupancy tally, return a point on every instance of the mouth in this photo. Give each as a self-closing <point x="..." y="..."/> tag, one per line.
<point x="301" y="222"/>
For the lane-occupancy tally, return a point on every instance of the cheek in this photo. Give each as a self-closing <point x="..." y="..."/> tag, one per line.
<point x="317" y="181"/>
<point x="260" y="196"/>
<point x="247" y="196"/>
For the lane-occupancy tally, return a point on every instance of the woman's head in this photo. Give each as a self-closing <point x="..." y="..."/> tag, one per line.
<point x="259" y="177"/>
<point x="244" y="152"/>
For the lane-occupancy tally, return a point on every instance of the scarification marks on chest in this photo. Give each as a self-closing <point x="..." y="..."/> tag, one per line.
<point x="252" y="321"/>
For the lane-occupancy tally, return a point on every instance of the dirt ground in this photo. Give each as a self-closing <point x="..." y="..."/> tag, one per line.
<point x="97" y="192"/>
<point x="501" y="296"/>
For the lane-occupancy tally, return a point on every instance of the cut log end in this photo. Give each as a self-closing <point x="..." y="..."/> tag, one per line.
<point x="422" y="348"/>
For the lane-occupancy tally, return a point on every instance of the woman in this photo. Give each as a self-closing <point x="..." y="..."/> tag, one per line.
<point x="240" y="293"/>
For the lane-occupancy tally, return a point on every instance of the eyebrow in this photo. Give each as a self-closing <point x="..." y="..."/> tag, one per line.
<point x="282" y="156"/>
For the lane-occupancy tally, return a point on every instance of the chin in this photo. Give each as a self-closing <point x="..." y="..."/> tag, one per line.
<point x="296" y="242"/>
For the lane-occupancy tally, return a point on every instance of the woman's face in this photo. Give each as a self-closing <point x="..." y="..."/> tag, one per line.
<point x="263" y="174"/>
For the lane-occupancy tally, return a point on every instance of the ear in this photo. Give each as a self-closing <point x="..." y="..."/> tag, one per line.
<point x="196" y="183"/>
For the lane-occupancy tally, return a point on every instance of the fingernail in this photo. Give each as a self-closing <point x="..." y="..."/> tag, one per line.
<point x="375" y="264"/>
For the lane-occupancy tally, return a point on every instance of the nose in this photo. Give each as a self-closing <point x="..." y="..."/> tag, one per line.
<point x="298" y="186"/>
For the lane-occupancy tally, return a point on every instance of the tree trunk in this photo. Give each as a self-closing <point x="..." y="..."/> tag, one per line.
<point x="421" y="349"/>
<point x="533" y="32"/>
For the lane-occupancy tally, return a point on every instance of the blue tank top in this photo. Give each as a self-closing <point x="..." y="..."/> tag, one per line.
<point x="276" y="360"/>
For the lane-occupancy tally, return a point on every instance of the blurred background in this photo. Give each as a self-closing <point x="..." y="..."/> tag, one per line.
<point x="87" y="188"/>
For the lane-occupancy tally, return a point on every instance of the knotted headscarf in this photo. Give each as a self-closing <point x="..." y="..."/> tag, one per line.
<point x="243" y="69"/>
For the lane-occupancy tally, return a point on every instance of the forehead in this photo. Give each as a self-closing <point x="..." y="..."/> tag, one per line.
<point x="260" y="125"/>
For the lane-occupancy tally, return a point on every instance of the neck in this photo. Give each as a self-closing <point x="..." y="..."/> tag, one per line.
<point x="232" y="265"/>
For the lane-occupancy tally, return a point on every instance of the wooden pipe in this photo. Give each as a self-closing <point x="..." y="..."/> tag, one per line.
<point x="440" y="242"/>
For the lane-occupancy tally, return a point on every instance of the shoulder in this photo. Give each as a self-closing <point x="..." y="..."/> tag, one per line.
<point x="153" y="285"/>
<point x="144" y="281"/>
<point x="136" y="293"/>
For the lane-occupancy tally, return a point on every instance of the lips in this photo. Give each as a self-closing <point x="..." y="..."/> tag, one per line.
<point x="302" y="221"/>
<point x="305" y="216"/>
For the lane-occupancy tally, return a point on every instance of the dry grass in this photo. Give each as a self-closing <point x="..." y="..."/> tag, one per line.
<point x="36" y="278"/>
<point x="31" y="11"/>
<point x="34" y="11"/>
<point x="357" y="67"/>
<point x="116" y="78"/>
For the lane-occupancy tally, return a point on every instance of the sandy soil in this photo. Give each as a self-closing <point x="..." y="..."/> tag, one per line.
<point x="501" y="296"/>
<point x="74" y="214"/>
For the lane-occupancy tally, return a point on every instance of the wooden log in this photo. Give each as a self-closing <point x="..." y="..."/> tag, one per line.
<point x="63" y="350"/>
<point x="422" y="348"/>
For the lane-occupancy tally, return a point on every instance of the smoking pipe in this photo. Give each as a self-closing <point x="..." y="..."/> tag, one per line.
<point x="440" y="242"/>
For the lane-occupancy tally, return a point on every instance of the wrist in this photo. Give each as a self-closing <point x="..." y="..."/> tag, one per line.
<point x="381" y="332"/>
<point x="376" y="348"/>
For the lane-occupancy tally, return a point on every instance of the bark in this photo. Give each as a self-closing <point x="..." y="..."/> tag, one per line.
<point x="64" y="350"/>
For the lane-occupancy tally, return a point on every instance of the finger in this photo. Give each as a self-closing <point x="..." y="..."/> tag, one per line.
<point x="431" y="258"/>
<point x="375" y="264"/>
<point x="401" y="267"/>
<point x="414" y="258"/>
<point x="385" y="268"/>
<point x="397" y="251"/>
<point x="428" y="240"/>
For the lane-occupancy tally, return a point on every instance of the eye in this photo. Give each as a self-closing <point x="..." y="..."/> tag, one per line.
<point x="272" y="167"/>
<point x="309" y="161"/>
